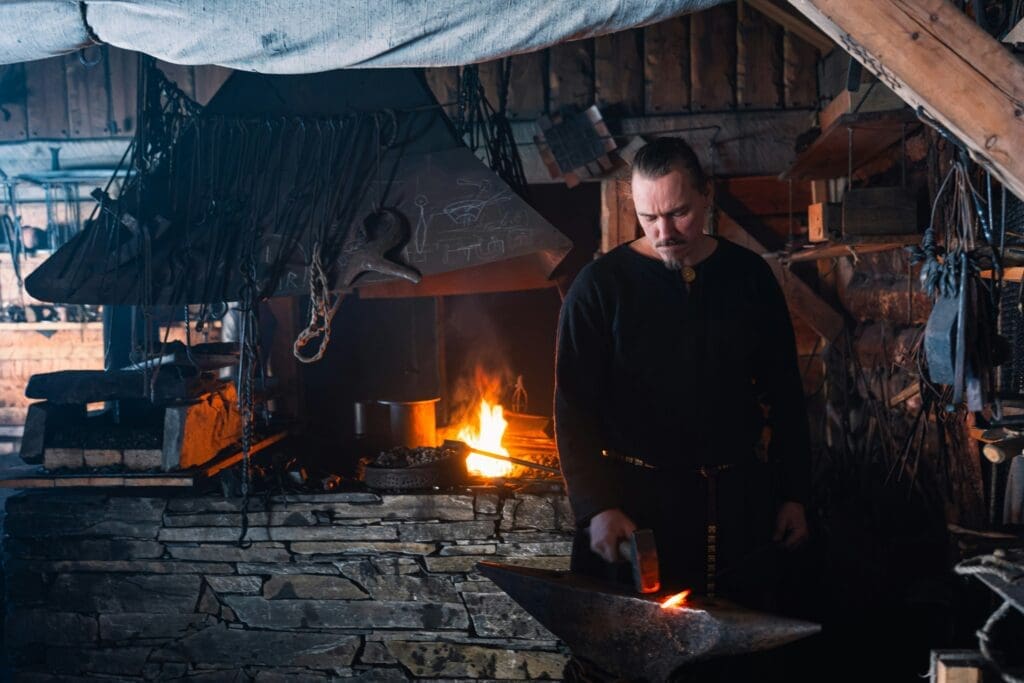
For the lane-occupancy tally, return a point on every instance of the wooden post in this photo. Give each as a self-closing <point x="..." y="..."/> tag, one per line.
<point x="618" y="217"/>
<point x="934" y="57"/>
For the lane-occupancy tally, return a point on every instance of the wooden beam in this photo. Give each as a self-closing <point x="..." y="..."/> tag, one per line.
<point x="934" y="57"/>
<point x="794" y="23"/>
<point x="749" y="143"/>
<point x="803" y="301"/>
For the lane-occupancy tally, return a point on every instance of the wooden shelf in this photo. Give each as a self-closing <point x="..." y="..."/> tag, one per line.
<point x="873" y="133"/>
<point x="1011" y="274"/>
<point x="826" y="250"/>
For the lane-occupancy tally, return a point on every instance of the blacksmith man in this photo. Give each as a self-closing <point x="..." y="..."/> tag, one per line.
<point x="673" y="351"/>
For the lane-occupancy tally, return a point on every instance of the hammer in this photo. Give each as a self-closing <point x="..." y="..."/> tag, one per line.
<point x="642" y="555"/>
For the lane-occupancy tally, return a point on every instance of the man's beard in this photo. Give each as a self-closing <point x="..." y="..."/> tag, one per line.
<point x="671" y="262"/>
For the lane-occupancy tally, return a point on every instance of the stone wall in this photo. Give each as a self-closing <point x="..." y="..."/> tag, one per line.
<point x="349" y="585"/>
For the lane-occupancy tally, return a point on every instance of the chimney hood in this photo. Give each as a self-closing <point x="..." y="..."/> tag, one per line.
<point x="294" y="189"/>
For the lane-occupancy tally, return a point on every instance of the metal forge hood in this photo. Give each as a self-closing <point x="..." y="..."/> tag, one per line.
<point x="279" y="168"/>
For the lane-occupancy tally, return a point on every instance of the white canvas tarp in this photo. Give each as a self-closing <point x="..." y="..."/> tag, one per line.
<point x="304" y="36"/>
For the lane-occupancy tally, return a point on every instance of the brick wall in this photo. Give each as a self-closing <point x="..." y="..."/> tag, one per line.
<point x="30" y="348"/>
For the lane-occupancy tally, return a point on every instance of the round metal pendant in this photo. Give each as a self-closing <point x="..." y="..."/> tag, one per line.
<point x="689" y="274"/>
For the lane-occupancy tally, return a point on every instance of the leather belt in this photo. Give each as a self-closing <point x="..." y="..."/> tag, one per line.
<point x="706" y="471"/>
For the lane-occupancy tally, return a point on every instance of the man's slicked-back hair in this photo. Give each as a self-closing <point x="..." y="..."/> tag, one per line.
<point x="657" y="159"/>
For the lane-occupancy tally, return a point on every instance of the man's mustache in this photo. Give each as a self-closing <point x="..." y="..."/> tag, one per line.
<point x="670" y="243"/>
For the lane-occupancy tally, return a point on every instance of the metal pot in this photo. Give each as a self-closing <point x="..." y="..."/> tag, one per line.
<point x="412" y="423"/>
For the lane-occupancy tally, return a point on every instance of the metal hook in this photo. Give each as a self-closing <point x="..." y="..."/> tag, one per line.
<point x="88" y="64"/>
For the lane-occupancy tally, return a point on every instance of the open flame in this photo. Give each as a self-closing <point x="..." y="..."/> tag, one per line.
<point x="487" y="437"/>
<point x="676" y="600"/>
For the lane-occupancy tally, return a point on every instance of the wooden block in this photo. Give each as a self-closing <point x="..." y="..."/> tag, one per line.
<point x="571" y="74"/>
<point x="195" y="433"/>
<point x="142" y="459"/>
<point x="667" y="67"/>
<point x="57" y="458"/>
<point x="47" y="98"/>
<point x="95" y="457"/>
<point x="958" y="666"/>
<point x="618" y="73"/>
<point x="38" y="417"/>
<point x="879" y="211"/>
<point x="824" y="221"/>
<point x="713" y="59"/>
<point x="799" y="72"/>
<point x="758" y="60"/>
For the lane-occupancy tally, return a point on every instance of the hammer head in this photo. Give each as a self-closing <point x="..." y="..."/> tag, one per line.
<point x="640" y="551"/>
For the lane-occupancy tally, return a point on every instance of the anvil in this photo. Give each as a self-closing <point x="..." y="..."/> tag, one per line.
<point x="633" y="635"/>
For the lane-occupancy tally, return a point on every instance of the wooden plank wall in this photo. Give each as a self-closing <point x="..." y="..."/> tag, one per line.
<point x="726" y="58"/>
<point x="86" y="95"/>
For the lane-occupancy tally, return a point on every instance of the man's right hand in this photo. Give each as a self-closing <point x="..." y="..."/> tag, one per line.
<point x="607" y="529"/>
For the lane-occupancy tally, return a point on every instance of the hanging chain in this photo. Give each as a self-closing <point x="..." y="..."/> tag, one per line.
<point x="248" y="357"/>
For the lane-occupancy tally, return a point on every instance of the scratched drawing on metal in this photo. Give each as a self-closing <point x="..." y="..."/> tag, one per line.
<point x="476" y="219"/>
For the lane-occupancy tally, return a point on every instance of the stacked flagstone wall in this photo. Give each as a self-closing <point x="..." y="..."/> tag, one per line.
<point x="349" y="585"/>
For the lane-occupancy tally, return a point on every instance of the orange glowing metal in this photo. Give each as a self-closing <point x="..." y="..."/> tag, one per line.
<point x="675" y="600"/>
<point x="487" y="437"/>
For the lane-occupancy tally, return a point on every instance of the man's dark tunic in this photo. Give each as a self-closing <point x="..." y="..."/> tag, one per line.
<point x="678" y="379"/>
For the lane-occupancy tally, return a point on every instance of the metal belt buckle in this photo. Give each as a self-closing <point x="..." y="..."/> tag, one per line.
<point x="635" y="462"/>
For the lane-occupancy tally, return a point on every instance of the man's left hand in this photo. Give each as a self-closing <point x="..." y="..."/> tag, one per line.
<point x="791" y="525"/>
